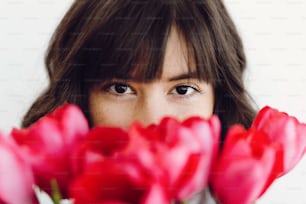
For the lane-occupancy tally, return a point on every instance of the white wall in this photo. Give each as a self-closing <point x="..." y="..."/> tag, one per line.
<point x="25" y="29"/>
<point x="273" y="31"/>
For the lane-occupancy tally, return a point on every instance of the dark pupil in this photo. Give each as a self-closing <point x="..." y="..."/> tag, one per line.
<point x="121" y="88"/>
<point x="182" y="89"/>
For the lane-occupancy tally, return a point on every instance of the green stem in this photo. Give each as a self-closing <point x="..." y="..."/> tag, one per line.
<point x="56" y="195"/>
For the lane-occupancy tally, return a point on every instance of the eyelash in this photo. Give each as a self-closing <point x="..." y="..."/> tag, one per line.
<point x="107" y="88"/>
<point x="194" y="91"/>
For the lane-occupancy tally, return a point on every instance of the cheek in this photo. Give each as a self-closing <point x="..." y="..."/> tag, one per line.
<point x="206" y="109"/>
<point x="203" y="110"/>
<point x="104" y="112"/>
<point x="203" y="106"/>
<point x="208" y="103"/>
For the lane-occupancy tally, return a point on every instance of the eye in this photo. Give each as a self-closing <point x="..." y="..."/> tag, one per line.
<point x="118" y="89"/>
<point x="184" y="90"/>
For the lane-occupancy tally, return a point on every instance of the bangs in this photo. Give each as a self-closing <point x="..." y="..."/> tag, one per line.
<point x="132" y="43"/>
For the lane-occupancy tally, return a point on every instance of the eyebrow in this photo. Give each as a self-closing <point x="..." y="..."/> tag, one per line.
<point x="189" y="75"/>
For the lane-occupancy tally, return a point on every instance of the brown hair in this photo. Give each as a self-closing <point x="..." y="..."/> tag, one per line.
<point x="100" y="39"/>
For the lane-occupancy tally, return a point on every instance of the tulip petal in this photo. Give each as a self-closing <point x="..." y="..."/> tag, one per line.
<point x="243" y="171"/>
<point x="15" y="174"/>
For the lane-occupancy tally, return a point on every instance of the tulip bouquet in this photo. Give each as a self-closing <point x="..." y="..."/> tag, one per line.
<point x="169" y="162"/>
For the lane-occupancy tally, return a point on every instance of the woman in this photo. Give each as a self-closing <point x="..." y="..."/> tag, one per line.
<point x="126" y="60"/>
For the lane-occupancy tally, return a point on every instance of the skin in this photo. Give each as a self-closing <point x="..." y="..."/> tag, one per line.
<point x="177" y="94"/>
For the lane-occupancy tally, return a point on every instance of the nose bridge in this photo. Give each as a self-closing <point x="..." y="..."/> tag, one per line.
<point x="151" y="108"/>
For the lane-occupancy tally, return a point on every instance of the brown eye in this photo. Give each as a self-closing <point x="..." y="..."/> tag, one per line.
<point x="119" y="88"/>
<point x="184" y="90"/>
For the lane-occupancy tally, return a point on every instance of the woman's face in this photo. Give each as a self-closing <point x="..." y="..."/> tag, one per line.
<point x="177" y="94"/>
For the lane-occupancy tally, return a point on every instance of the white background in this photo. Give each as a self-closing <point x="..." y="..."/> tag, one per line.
<point x="274" y="35"/>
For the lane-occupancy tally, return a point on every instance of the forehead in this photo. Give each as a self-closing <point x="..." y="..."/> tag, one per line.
<point x="176" y="56"/>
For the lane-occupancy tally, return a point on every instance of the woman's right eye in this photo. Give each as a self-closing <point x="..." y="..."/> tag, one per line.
<point x="119" y="89"/>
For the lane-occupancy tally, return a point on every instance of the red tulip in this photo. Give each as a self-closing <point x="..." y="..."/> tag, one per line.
<point x="16" y="179"/>
<point x="285" y="132"/>
<point x="49" y="142"/>
<point x="106" y="175"/>
<point x="116" y="181"/>
<point x="168" y="160"/>
<point x="244" y="166"/>
<point x="100" y="142"/>
<point x="184" y="152"/>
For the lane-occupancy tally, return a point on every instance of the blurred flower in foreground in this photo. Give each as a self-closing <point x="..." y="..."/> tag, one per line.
<point x="244" y="166"/>
<point x="286" y="133"/>
<point x="16" y="177"/>
<point x="48" y="144"/>
<point x="156" y="164"/>
<point x="252" y="159"/>
<point x="162" y="163"/>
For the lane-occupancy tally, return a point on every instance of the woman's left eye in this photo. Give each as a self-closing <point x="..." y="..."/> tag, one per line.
<point x="184" y="90"/>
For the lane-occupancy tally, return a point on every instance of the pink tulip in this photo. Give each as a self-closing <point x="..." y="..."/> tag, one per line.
<point x="48" y="144"/>
<point x="16" y="179"/>
<point x="244" y="166"/>
<point x="286" y="133"/>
